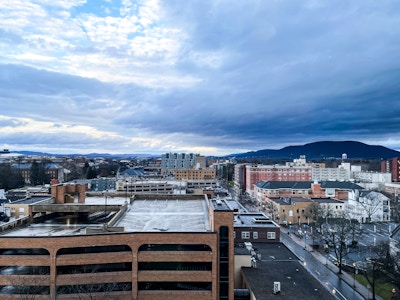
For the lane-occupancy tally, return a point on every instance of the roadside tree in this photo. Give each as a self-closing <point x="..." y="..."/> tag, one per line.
<point x="341" y="236"/>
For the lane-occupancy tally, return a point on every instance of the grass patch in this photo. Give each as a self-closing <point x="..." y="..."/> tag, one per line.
<point x="383" y="289"/>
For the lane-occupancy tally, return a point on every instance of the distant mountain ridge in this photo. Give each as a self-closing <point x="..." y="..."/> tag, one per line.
<point x="90" y="155"/>
<point x="326" y="149"/>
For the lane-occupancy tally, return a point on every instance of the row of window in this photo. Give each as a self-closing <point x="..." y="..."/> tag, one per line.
<point x="271" y="235"/>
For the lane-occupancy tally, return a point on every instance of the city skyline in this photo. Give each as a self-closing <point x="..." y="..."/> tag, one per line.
<point x="209" y="77"/>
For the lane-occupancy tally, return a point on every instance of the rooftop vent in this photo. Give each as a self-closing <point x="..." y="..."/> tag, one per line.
<point x="277" y="287"/>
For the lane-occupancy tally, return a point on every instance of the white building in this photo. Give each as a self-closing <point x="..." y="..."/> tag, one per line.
<point x="368" y="206"/>
<point x="372" y="177"/>
<point x="330" y="174"/>
<point x="330" y="208"/>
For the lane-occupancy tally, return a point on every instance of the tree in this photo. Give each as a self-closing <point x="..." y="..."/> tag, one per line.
<point x="28" y="282"/>
<point x="313" y="213"/>
<point x="34" y="173"/>
<point x="271" y="209"/>
<point x="372" y="203"/>
<point x="38" y="173"/>
<point x="378" y="265"/>
<point x="339" y="233"/>
<point x="10" y="178"/>
<point x="92" y="290"/>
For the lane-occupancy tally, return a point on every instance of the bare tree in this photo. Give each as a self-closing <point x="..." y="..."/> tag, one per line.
<point x="271" y="209"/>
<point x="313" y="213"/>
<point x="339" y="234"/>
<point x="92" y="290"/>
<point x="378" y="265"/>
<point x="371" y="203"/>
<point x="28" y="283"/>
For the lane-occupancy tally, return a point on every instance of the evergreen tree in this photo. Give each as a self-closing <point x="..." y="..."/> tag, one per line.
<point x="9" y="178"/>
<point x="38" y="173"/>
<point x="34" y="173"/>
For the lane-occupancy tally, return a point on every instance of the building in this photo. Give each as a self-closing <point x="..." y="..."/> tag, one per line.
<point x="255" y="227"/>
<point x="54" y="171"/>
<point x="330" y="174"/>
<point x="368" y="206"/>
<point x="373" y="177"/>
<point x="290" y="211"/>
<point x="195" y="174"/>
<point x="256" y="173"/>
<point x="134" y="186"/>
<point x="282" y="189"/>
<point x="329" y="208"/>
<point x="393" y="167"/>
<point x="181" y="161"/>
<point x="153" y="247"/>
<point x="240" y="179"/>
<point x="102" y="184"/>
<point x="286" y="189"/>
<point x="277" y="273"/>
<point x="333" y="189"/>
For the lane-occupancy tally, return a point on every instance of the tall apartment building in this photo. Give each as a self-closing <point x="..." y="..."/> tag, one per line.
<point x="240" y="179"/>
<point x="181" y="161"/>
<point x="155" y="248"/>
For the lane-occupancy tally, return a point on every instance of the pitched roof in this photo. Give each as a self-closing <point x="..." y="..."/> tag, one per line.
<point x="276" y="185"/>
<point x="343" y="185"/>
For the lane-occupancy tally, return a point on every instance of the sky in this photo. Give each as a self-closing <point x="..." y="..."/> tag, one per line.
<point x="213" y="77"/>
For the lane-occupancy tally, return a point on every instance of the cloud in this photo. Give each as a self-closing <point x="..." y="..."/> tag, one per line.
<point x="213" y="76"/>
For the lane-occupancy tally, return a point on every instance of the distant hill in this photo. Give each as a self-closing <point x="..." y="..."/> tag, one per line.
<point x="90" y="155"/>
<point x="326" y="149"/>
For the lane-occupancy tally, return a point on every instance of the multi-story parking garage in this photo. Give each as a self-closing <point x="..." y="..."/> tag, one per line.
<point x="154" y="247"/>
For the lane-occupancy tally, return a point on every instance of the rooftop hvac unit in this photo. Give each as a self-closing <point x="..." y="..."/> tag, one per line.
<point x="277" y="287"/>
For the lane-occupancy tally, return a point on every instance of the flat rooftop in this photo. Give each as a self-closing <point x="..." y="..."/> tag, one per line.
<point x="169" y="213"/>
<point x="279" y="264"/>
<point x="166" y="215"/>
<point x="253" y="219"/>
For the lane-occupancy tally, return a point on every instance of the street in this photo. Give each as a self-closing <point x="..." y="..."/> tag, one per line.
<point x="332" y="281"/>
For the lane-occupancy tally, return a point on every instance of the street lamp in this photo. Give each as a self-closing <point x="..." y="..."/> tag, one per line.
<point x="105" y="203"/>
<point x="354" y="274"/>
<point x="305" y="236"/>
<point x="126" y="194"/>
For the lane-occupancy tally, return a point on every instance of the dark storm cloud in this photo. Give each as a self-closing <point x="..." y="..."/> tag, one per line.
<point x="225" y="74"/>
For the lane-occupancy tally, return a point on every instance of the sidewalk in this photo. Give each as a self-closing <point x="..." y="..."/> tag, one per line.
<point x="348" y="278"/>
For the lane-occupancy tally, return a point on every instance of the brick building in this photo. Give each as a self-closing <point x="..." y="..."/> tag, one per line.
<point x="258" y="173"/>
<point x="255" y="227"/>
<point x="393" y="167"/>
<point x="193" y="174"/>
<point x="154" y="247"/>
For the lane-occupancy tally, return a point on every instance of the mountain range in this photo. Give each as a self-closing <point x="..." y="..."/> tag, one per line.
<point x="326" y="149"/>
<point x="316" y="150"/>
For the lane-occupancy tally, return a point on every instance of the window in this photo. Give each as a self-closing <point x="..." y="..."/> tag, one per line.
<point x="255" y="235"/>
<point x="270" y="235"/>
<point x="245" y="235"/>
